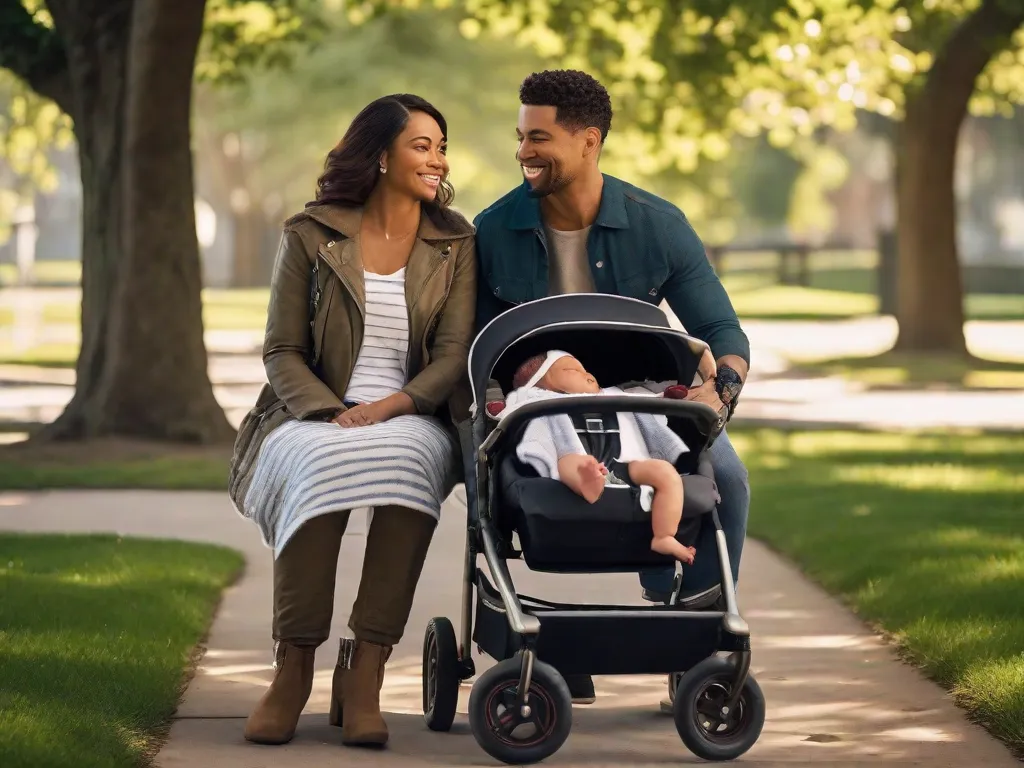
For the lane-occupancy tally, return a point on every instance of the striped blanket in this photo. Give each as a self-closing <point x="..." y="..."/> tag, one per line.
<point x="307" y="468"/>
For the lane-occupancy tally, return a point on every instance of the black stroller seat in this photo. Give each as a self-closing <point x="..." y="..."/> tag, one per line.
<point x="559" y="531"/>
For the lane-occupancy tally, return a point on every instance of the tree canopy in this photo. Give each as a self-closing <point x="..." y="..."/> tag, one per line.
<point x="691" y="73"/>
<point x="240" y="36"/>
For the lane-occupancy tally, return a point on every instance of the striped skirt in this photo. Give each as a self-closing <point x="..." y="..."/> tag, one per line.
<point x="306" y="469"/>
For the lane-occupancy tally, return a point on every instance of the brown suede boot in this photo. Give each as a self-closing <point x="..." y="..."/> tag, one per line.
<point x="346" y="650"/>
<point x="363" y="724"/>
<point x="274" y="719"/>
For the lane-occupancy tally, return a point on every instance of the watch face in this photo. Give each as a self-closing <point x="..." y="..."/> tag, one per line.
<point x="729" y="385"/>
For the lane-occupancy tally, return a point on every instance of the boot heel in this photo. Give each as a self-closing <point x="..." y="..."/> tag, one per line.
<point x="334" y="717"/>
<point x="346" y="650"/>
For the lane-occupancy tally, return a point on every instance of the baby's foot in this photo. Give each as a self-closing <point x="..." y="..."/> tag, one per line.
<point x="592" y="474"/>
<point x="667" y="545"/>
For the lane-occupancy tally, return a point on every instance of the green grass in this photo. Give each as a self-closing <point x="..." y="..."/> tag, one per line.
<point x="222" y="310"/>
<point x="51" y="355"/>
<point x="45" y="273"/>
<point x="97" y="634"/>
<point x="838" y="294"/>
<point x="923" y="535"/>
<point x="109" y="464"/>
<point x="783" y="302"/>
<point x="895" y="370"/>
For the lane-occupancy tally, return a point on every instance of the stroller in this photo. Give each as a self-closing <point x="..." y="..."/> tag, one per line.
<point x="520" y="710"/>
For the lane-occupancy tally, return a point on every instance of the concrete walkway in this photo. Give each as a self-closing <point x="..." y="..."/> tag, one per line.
<point x="836" y="694"/>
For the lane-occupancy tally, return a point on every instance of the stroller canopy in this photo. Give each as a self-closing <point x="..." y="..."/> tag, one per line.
<point x="618" y="339"/>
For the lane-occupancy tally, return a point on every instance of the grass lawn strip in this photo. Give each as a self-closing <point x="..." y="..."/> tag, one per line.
<point x="98" y="637"/>
<point x="923" y="536"/>
<point x="113" y="463"/>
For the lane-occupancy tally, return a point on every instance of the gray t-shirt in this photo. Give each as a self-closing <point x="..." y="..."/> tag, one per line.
<point x="568" y="265"/>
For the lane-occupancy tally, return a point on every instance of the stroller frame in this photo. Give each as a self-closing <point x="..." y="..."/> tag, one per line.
<point x="509" y="625"/>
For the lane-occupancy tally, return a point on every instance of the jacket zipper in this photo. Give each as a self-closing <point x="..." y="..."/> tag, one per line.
<point x="430" y="320"/>
<point x="362" y="310"/>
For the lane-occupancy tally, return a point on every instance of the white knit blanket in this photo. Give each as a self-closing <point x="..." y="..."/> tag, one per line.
<point x="547" y="438"/>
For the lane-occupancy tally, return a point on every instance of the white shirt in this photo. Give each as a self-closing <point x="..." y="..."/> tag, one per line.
<point x="380" y="368"/>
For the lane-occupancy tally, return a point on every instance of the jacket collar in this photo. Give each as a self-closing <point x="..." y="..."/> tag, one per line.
<point x="525" y="212"/>
<point x="346" y="221"/>
<point x="345" y="257"/>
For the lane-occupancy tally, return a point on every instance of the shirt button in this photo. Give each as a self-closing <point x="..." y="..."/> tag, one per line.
<point x="599" y="264"/>
<point x="654" y="291"/>
<point x="497" y="291"/>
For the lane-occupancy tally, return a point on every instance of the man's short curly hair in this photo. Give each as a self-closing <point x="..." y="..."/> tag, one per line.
<point x="579" y="100"/>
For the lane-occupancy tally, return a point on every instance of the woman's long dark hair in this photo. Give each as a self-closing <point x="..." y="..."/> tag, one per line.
<point x="352" y="168"/>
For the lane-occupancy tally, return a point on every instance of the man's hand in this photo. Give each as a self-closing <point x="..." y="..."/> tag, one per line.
<point x="707" y="394"/>
<point x="375" y="413"/>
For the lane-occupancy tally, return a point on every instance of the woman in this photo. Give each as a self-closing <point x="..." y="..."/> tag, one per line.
<point x="368" y="331"/>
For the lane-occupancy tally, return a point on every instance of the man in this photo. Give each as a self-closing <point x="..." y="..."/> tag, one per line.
<point x="569" y="228"/>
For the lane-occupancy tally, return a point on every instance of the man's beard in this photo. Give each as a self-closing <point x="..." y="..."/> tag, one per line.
<point x="556" y="183"/>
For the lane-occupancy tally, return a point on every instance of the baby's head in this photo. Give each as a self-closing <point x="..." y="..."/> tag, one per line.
<point x="561" y="373"/>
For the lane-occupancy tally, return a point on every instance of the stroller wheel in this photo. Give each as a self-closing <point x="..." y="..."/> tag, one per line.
<point x="441" y="676"/>
<point x="706" y="726"/>
<point x="673" y="685"/>
<point x="502" y="730"/>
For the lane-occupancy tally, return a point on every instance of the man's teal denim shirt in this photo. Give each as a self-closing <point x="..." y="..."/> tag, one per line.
<point x="640" y="246"/>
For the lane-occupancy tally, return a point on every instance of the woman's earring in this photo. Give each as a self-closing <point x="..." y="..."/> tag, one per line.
<point x="383" y="169"/>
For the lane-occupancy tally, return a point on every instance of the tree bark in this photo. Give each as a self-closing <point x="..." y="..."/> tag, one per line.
<point x="95" y="38"/>
<point x="930" y="290"/>
<point x="155" y="382"/>
<point x="142" y="368"/>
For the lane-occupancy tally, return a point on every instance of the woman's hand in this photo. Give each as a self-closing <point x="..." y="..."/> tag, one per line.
<point x="398" y="404"/>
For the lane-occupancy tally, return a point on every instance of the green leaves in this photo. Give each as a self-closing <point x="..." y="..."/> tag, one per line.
<point x="29" y="126"/>
<point x="692" y="74"/>
<point x="245" y="35"/>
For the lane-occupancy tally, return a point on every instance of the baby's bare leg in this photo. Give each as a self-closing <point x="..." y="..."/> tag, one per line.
<point x="583" y="474"/>
<point x="667" y="507"/>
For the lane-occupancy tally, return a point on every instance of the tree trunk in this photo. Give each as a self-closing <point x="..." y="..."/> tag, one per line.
<point x="142" y="369"/>
<point x="250" y="262"/>
<point x="155" y="384"/>
<point x="930" y="289"/>
<point x="95" y="37"/>
<point x="929" y="307"/>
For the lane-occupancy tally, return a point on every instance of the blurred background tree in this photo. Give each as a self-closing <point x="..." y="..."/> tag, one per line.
<point x="257" y="163"/>
<point x="688" y="75"/>
<point x="30" y="127"/>
<point x="122" y="71"/>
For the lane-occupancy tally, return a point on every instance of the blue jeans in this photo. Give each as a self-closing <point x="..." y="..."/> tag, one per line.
<point x="734" y="488"/>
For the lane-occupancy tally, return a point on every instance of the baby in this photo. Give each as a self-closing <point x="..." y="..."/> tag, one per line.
<point x="586" y="476"/>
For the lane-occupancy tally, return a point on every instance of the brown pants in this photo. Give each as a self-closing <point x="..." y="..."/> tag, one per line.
<point x="306" y="570"/>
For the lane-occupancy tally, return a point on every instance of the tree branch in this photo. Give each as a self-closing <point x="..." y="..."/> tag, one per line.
<point x="34" y="53"/>
<point x="968" y="51"/>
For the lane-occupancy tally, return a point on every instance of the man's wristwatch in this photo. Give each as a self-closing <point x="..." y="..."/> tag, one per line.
<point x="728" y="384"/>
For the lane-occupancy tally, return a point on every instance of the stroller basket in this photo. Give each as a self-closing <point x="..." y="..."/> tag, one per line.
<point x="633" y="640"/>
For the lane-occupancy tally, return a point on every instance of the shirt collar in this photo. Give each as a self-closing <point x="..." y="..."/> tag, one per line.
<point x="525" y="213"/>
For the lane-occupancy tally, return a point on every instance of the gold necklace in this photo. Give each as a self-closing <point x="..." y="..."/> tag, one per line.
<point x="389" y="237"/>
